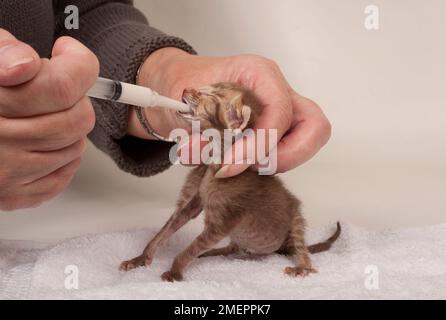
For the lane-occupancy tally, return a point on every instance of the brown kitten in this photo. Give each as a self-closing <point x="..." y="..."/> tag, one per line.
<point x="256" y="212"/>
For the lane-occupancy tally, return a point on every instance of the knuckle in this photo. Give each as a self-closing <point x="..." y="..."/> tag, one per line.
<point x="63" y="179"/>
<point x="326" y="129"/>
<point x="81" y="147"/>
<point x="62" y="87"/>
<point x="88" y="116"/>
<point x="93" y="64"/>
<point x="11" y="204"/>
<point x="56" y="189"/>
<point x="82" y="120"/>
<point x="90" y="63"/>
<point x="324" y="126"/>
<point x="259" y="64"/>
<point x="72" y="153"/>
<point x="263" y="61"/>
<point x="260" y="60"/>
<point x="271" y="64"/>
<point x="71" y="123"/>
<point x="67" y="174"/>
<point x="5" y="36"/>
<point x="89" y="69"/>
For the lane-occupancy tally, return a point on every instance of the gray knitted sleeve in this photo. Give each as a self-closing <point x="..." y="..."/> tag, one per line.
<point x="121" y="37"/>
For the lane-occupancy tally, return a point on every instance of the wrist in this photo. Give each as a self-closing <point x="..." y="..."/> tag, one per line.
<point x="155" y="74"/>
<point x="162" y="122"/>
<point x="159" y="71"/>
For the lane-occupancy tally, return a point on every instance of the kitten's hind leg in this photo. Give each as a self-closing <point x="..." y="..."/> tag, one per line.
<point x="211" y="235"/>
<point x="297" y="247"/>
<point x="285" y="249"/>
<point x="176" y="221"/>
<point x="225" y="251"/>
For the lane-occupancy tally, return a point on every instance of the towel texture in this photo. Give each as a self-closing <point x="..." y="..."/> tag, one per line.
<point x="402" y="263"/>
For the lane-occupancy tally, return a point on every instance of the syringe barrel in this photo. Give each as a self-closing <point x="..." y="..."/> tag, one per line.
<point x="105" y="89"/>
<point x="134" y="95"/>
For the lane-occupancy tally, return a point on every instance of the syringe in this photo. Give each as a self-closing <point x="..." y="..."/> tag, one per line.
<point x="122" y="92"/>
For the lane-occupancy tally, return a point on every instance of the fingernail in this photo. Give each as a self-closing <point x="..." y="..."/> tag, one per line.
<point x="222" y="172"/>
<point x="13" y="55"/>
<point x="231" y="170"/>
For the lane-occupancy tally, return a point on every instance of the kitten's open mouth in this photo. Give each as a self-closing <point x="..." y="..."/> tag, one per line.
<point x="185" y="101"/>
<point x="191" y="114"/>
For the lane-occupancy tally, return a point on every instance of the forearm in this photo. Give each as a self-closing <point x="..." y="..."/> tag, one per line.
<point x="122" y="40"/>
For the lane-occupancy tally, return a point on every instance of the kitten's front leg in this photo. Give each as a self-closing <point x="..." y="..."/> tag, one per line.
<point x="176" y="221"/>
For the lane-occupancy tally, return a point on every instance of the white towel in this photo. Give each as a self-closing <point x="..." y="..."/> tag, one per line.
<point x="401" y="263"/>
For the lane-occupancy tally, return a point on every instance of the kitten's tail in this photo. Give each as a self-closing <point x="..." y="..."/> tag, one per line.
<point x="325" y="245"/>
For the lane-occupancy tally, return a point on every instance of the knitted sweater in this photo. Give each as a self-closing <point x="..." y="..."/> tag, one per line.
<point x="121" y="38"/>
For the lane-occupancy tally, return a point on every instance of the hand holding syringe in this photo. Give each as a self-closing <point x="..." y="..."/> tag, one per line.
<point x="134" y="95"/>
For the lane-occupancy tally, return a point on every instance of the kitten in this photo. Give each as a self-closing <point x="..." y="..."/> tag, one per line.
<point x="256" y="212"/>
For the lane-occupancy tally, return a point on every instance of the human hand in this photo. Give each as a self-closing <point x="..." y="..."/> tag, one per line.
<point x="302" y="128"/>
<point x="44" y="118"/>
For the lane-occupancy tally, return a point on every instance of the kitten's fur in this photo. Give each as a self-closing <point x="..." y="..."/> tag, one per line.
<point x="256" y="212"/>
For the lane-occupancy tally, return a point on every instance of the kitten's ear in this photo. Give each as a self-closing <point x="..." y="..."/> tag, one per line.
<point x="246" y="115"/>
<point x="238" y="119"/>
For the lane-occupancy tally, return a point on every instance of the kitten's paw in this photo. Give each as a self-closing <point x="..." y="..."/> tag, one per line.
<point x="139" y="261"/>
<point x="299" y="271"/>
<point x="172" y="276"/>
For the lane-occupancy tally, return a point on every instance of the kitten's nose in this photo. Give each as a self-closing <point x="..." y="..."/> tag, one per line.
<point x="190" y="92"/>
<point x="190" y="98"/>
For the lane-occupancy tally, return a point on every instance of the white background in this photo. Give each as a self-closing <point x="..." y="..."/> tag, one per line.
<point x="384" y="92"/>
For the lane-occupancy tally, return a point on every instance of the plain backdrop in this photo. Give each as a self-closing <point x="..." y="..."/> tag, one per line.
<point x="383" y="90"/>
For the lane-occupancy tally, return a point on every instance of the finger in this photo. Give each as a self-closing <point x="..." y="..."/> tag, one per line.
<point x="245" y="152"/>
<point x="235" y="158"/>
<point x="310" y="132"/>
<point x="272" y="92"/>
<point x="34" y="194"/>
<point x="51" y="185"/>
<point x="60" y="83"/>
<point x="49" y="132"/>
<point x="18" y="61"/>
<point x="298" y="146"/>
<point x="35" y="165"/>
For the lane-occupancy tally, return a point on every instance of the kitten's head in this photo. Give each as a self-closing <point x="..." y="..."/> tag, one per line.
<point x="220" y="106"/>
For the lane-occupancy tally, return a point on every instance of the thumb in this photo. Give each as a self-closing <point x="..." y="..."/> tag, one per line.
<point x="19" y="62"/>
